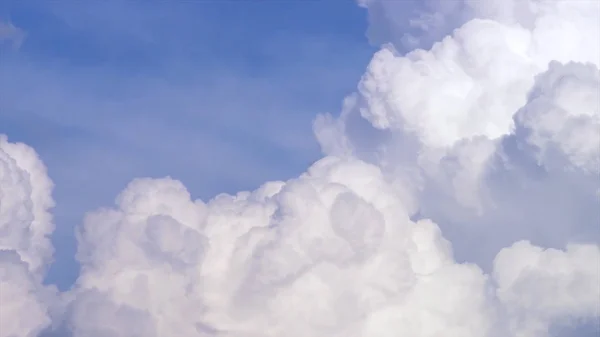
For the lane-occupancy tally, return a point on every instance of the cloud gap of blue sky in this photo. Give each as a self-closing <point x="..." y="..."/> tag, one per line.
<point x="110" y="91"/>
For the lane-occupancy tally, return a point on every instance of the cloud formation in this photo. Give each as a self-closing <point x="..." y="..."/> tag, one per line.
<point x="25" y="248"/>
<point x="458" y="196"/>
<point x="481" y="127"/>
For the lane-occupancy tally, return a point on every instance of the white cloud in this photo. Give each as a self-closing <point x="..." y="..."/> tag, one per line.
<point x="24" y="301"/>
<point x="476" y="144"/>
<point x="459" y="126"/>
<point x="25" y="219"/>
<point x="472" y="82"/>
<point x="543" y="286"/>
<point x="331" y="253"/>
<point x="562" y="117"/>
<point x="25" y="249"/>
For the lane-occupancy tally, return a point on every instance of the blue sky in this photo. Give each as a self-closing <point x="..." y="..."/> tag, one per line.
<point x="218" y="94"/>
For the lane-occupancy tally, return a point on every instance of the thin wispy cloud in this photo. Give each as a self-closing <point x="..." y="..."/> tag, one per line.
<point x="11" y="35"/>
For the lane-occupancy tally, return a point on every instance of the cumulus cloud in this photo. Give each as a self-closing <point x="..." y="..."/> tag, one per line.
<point x="471" y="82"/>
<point x="561" y="121"/>
<point x="25" y="217"/>
<point x="526" y="275"/>
<point x="458" y="196"/>
<point x="488" y="127"/>
<point x="331" y="253"/>
<point x="25" y="248"/>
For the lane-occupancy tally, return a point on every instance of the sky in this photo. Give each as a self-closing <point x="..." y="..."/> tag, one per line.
<point x="221" y="94"/>
<point x="366" y="168"/>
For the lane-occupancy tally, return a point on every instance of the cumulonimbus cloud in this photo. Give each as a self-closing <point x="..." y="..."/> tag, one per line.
<point x="457" y="197"/>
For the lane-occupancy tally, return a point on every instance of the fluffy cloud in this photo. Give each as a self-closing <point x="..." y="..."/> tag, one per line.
<point x="561" y="121"/>
<point x="25" y="220"/>
<point x="25" y="249"/>
<point x="494" y="129"/>
<point x="331" y="253"/>
<point x="526" y="275"/>
<point x="472" y="82"/>
<point x="413" y="23"/>
<point x="458" y="197"/>
<point x="26" y="304"/>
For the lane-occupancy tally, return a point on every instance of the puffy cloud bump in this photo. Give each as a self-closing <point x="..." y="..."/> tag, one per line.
<point x="25" y="249"/>
<point x="494" y="130"/>
<point x="458" y="196"/>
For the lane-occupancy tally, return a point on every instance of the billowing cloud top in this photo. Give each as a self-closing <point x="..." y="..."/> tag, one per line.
<point x="25" y="248"/>
<point x="445" y="176"/>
